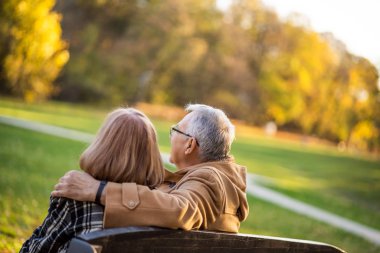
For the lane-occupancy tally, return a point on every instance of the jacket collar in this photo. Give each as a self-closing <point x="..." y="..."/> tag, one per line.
<point x="178" y="175"/>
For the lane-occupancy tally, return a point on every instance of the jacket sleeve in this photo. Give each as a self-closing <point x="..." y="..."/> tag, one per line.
<point x="193" y="203"/>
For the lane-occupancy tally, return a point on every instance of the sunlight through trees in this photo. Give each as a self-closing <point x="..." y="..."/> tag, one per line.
<point x="244" y="59"/>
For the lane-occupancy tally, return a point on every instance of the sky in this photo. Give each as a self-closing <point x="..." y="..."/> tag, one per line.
<point x="354" y="22"/>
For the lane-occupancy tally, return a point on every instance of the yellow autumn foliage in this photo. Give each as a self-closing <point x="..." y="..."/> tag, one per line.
<point x="36" y="52"/>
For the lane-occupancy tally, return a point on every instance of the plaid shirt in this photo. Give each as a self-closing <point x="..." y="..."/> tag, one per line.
<point x="66" y="219"/>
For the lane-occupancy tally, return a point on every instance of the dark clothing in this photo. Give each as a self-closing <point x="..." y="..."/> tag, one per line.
<point x="66" y="219"/>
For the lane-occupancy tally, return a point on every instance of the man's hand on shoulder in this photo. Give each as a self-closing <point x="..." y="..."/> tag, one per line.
<point x="76" y="185"/>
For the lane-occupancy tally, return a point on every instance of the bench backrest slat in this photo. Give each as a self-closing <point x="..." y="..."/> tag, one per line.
<point x="149" y="239"/>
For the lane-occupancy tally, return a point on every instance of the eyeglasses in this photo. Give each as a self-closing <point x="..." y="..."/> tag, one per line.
<point x="173" y="128"/>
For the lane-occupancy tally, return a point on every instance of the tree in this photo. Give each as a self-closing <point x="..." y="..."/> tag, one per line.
<point x="32" y="52"/>
<point x="357" y="103"/>
<point x="246" y="61"/>
<point x="98" y="70"/>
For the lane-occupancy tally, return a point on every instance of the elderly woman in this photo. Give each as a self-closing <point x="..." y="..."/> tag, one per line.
<point x="124" y="150"/>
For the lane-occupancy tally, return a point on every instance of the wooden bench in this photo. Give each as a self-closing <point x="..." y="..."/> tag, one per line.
<point x="150" y="239"/>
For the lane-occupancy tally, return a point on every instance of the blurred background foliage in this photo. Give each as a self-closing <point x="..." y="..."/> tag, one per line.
<point x="245" y="60"/>
<point x="31" y="49"/>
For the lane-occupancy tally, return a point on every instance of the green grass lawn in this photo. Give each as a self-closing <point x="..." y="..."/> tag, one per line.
<point x="30" y="165"/>
<point x="342" y="183"/>
<point x="269" y="219"/>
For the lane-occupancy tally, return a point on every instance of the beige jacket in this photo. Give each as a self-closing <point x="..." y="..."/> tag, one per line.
<point x="208" y="196"/>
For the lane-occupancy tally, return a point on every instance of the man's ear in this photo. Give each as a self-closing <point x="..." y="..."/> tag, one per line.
<point x="191" y="145"/>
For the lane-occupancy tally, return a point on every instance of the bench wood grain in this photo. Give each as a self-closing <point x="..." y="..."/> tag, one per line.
<point x="150" y="239"/>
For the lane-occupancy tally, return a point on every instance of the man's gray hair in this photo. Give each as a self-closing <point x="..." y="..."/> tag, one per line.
<point x="213" y="131"/>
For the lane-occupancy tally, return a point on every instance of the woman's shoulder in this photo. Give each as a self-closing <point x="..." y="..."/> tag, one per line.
<point x="60" y="204"/>
<point x="66" y="219"/>
<point x="77" y="216"/>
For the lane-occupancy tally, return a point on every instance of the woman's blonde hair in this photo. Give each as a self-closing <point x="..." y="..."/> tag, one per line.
<point x="125" y="150"/>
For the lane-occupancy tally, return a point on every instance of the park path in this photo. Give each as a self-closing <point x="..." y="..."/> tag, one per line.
<point x="255" y="185"/>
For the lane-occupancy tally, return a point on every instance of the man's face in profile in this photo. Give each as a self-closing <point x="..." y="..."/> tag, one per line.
<point x="178" y="141"/>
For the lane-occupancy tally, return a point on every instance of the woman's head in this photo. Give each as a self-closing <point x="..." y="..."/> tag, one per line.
<point x="125" y="150"/>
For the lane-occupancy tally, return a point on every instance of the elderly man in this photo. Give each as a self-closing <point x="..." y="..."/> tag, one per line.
<point x="207" y="192"/>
